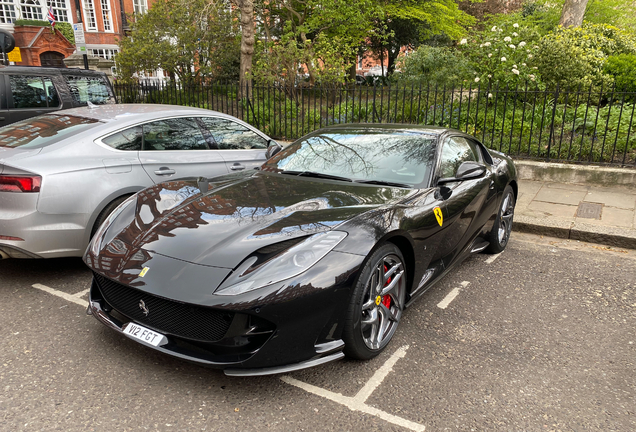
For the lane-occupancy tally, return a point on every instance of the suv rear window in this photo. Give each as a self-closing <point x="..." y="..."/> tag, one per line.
<point x="33" y="92"/>
<point x="85" y="89"/>
<point x="43" y="130"/>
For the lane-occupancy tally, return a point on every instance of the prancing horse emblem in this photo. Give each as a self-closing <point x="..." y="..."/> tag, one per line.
<point x="143" y="307"/>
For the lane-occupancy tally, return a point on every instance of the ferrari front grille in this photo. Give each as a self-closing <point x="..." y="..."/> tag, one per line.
<point x="166" y="316"/>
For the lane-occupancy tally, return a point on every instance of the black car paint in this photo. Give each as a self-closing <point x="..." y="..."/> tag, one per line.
<point x="307" y="311"/>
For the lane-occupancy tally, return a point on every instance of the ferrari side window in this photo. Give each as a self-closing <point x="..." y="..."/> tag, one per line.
<point x="174" y="134"/>
<point x="455" y="151"/>
<point x="229" y="135"/>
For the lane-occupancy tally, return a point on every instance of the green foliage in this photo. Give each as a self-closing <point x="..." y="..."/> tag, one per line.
<point x="279" y="116"/>
<point x="623" y="68"/>
<point x="317" y="36"/>
<point x="503" y="55"/>
<point x="619" y="13"/>
<point x="435" y="17"/>
<point x="545" y="14"/>
<point x="193" y="39"/>
<point x="435" y="65"/>
<point x="574" y="56"/>
<point x="67" y="31"/>
<point x="26" y="22"/>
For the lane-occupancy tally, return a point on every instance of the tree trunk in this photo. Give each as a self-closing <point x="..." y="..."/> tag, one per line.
<point x="572" y="14"/>
<point x="247" y="45"/>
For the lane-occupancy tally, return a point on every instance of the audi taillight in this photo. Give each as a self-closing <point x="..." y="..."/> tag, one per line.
<point x="13" y="183"/>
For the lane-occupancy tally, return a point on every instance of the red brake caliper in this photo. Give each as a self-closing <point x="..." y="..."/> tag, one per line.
<point x="386" y="300"/>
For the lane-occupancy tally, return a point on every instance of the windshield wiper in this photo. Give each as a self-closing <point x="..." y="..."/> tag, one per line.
<point x="383" y="183"/>
<point x="316" y="175"/>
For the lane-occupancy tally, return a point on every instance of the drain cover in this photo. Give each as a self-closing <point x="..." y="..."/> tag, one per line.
<point x="589" y="210"/>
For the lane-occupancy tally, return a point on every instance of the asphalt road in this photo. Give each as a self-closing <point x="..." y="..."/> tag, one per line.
<point x="542" y="338"/>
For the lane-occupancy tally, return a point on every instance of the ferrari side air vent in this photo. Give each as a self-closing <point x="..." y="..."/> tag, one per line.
<point x="279" y="247"/>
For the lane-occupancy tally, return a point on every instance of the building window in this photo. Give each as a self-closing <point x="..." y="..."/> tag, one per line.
<point x="106" y="16"/>
<point x="108" y="54"/>
<point x="31" y="10"/>
<point x="141" y="6"/>
<point x="59" y="9"/>
<point x="89" y="15"/>
<point x="7" y="12"/>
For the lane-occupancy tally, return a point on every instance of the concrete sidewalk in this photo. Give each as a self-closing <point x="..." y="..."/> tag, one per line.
<point x="601" y="210"/>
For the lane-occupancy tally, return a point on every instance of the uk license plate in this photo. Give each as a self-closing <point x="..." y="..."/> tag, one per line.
<point x="145" y="335"/>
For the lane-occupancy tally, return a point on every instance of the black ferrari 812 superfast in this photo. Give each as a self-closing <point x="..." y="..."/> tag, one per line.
<point x="311" y="258"/>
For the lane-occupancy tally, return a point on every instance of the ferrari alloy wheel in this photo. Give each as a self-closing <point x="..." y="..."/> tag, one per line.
<point x="377" y="303"/>
<point x="502" y="227"/>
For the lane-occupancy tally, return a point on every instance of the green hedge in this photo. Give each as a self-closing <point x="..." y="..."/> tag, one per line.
<point x="65" y="28"/>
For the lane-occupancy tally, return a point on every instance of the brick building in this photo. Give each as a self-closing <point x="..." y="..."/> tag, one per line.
<point x="105" y="21"/>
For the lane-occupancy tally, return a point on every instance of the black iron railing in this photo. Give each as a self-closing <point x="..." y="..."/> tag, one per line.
<point x="591" y="125"/>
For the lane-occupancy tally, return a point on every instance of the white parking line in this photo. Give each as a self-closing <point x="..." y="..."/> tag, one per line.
<point x="451" y="296"/>
<point x="492" y="258"/>
<point x="82" y="293"/>
<point x="357" y="403"/>
<point x="74" y="298"/>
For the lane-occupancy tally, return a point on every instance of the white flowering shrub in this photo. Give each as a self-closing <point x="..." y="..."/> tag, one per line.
<point x="502" y="55"/>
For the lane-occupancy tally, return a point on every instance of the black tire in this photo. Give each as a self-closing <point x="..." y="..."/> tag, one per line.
<point x="106" y="212"/>
<point x="500" y="233"/>
<point x="384" y="313"/>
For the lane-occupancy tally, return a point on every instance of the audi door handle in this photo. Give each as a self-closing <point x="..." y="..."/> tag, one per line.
<point x="164" y="171"/>
<point x="237" y="167"/>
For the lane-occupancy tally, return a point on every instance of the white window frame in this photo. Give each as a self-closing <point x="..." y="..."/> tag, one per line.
<point x="59" y="6"/>
<point x="140" y="6"/>
<point x="107" y="16"/>
<point x="89" y="14"/>
<point x="31" y="13"/>
<point x="8" y="12"/>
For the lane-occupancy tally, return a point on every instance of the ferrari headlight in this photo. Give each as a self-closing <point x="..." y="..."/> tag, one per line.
<point x="96" y="242"/>
<point x="292" y="262"/>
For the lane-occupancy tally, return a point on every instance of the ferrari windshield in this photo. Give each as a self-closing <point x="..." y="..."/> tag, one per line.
<point x="390" y="156"/>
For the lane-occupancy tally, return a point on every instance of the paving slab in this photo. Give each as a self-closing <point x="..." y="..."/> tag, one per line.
<point x="561" y="211"/>
<point x="620" y="199"/>
<point x="561" y="196"/>
<point x="567" y="186"/>
<point x="550" y="208"/>
<point x="612" y="217"/>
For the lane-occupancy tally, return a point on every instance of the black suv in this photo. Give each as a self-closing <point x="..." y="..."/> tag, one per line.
<point x="28" y="91"/>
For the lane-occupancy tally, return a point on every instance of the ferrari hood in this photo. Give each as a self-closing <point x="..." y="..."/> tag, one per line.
<point x="220" y="222"/>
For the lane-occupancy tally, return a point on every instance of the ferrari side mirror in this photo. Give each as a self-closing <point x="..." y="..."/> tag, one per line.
<point x="466" y="171"/>
<point x="272" y="148"/>
<point x="470" y="170"/>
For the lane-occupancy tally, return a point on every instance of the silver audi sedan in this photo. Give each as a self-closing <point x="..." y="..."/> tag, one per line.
<point x="63" y="173"/>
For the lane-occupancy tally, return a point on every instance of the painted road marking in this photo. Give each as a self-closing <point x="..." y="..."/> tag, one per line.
<point x="357" y="403"/>
<point x="82" y="293"/>
<point x="451" y="296"/>
<point x="492" y="258"/>
<point x="74" y="298"/>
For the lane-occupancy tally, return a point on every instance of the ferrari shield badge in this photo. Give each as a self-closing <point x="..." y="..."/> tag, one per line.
<point x="438" y="215"/>
<point x="145" y="269"/>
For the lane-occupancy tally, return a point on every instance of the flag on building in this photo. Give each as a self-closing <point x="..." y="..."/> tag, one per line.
<point x="51" y="17"/>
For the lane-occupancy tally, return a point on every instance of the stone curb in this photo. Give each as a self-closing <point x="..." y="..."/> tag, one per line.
<point x="610" y="236"/>
<point x="578" y="174"/>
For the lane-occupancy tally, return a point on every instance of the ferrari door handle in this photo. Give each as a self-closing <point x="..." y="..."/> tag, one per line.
<point x="164" y="171"/>
<point x="237" y="167"/>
